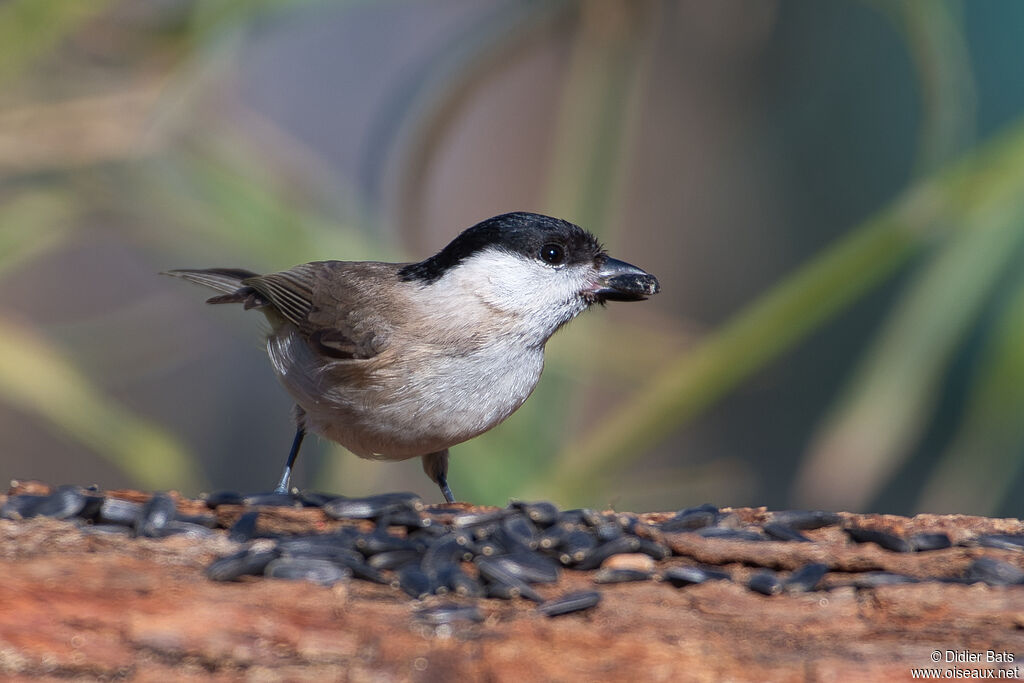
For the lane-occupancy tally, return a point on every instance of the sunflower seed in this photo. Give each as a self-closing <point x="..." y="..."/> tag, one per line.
<point x="569" y="603"/>
<point x="240" y="564"/>
<point x="372" y="507"/>
<point x="414" y="581"/>
<point x="594" y="558"/>
<point x="64" y="502"/>
<point x="272" y="499"/>
<point x="765" y="583"/>
<point x="1003" y="541"/>
<point x="22" y="507"/>
<point x="156" y="514"/>
<point x="882" y="538"/>
<point x="691" y="519"/>
<point x="781" y="532"/>
<point x="806" y="520"/>
<point x="449" y="613"/>
<point x="612" y="575"/>
<point x="393" y="559"/>
<point x="689" y="576"/>
<point x="807" y="578"/>
<point x="923" y="542"/>
<point x="731" y="534"/>
<point x="993" y="572"/>
<point x="877" y="579"/>
<point x="117" y="511"/>
<point x="541" y="513"/>
<point x="529" y="567"/>
<point x="305" y="569"/>
<point x="502" y="584"/>
<point x="244" y="528"/>
<point x="459" y="582"/>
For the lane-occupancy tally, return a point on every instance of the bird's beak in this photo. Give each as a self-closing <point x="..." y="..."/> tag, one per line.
<point x="619" y="281"/>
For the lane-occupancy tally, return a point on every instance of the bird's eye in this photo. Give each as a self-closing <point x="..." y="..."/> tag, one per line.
<point x="552" y="253"/>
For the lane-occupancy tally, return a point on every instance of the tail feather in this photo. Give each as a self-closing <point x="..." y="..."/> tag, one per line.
<point x="226" y="280"/>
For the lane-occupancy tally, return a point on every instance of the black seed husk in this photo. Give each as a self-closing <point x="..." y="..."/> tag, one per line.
<point x="569" y="603"/>
<point x="731" y="534"/>
<point x="272" y="499"/>
<point x="618" y="546"/>
<point x="176" y="528"/>
<point x="807" y="578"/>
<point x="469" y="520"/>
<point x="22" y="507"/>
<point x="64" y="502"/>
<point x="530" y="567"/>
<point x="1003" y="541"/>
<point x="315" y="499"/>
<point x="653" y="549"/>
<point x="334" y="553"/>
<point x="502" y="584"/>
<point x="691" y="519"/>
<point x="414" y="581"/>
<point x="381" y="542"/>
<point x="393" y="559"/>
<point x="554" y="536"/>
<point x="117" y="511"/>
<point x="518" y="530"/>
<point x="993" y="572"/>
<point x="609" y="575"/>
<point x="925" y="542"/>
<point x="806" y="520"/>
<point x="372" y="507"/>
<point x="765" y="583"/>
<point x="781" y="532"/>
<point x="877" y="579"/>
<point x="244" y="528"/>
<point x="106" y="529"/>
<point x="541" y="513"/>
<point x="156" y="514"/>
<point x="306" y="569"/>
<point x="449" y="613"/>
<point x="459" y="582"/>
<point x="689" y="576"/>
<point x="246" y="562"/>
<point x="882" y="538"/>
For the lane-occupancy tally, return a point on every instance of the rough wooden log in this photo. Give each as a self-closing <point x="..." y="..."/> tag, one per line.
<point x="79" y="603"/>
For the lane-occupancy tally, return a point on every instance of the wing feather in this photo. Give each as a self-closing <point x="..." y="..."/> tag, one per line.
<point x="334" y="305"/>
<point x="289" y="291"/>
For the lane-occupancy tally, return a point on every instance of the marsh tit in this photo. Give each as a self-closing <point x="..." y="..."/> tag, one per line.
<point x="404" y="360"/>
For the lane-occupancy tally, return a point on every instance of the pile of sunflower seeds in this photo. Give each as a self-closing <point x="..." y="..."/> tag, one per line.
<point x="496" y="554"/>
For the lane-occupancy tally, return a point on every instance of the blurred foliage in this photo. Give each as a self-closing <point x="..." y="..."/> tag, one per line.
<point x="85" y="145"/>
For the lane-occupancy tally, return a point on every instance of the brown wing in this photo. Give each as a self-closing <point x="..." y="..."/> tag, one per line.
<point x="333" y="305"/>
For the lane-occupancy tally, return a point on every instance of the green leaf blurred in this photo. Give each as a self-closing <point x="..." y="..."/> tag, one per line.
<point x="138" y="144"/>
<point x="879" y="421"/>
<point x="987" y="181"/>
<point x="977" y="470"/>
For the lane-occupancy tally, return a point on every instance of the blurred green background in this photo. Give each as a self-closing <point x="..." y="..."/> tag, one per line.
<point x="831" y="193"/>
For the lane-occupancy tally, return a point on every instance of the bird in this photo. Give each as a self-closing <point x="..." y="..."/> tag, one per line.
<point x="402" y="360"/>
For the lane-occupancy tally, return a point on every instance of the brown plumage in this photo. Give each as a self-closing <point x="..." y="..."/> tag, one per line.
<point x="395" y="360"/>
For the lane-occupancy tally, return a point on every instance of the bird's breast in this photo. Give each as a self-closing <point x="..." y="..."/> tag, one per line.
<point x="401" y="405"/>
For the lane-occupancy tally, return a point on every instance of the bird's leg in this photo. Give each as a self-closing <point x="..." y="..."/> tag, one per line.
<point x="300" y="432"/>
<point x="436" y="467"/>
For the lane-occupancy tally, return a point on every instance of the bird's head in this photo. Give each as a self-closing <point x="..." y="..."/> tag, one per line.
<point x="534" y="271"/>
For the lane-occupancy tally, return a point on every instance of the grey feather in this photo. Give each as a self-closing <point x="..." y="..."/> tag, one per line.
<point x="227" y="280"/>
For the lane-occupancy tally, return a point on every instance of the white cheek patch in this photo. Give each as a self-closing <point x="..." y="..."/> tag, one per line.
<point x="542" y="296"/>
